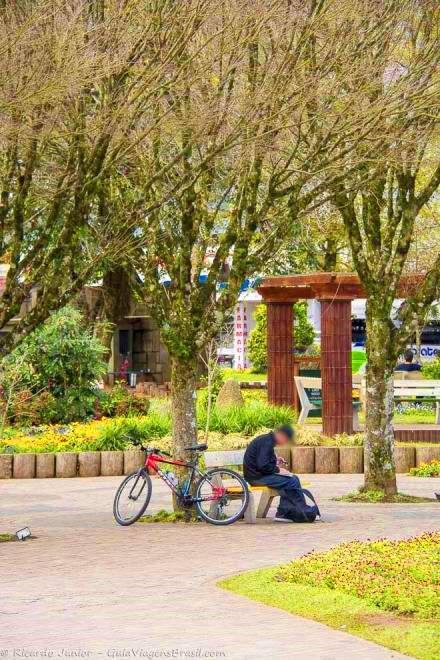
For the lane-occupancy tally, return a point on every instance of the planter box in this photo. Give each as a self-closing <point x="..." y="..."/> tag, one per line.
<point x="405" y="458"/>
<point x="133" y="460"/>
<point x="326" y="460"/>
<point x="112" y="463"/>
<point x="427" y="454"/>
<point x="45" y="466"/>
<point x="351" y="460"/>
<point x="66" y="465"/>
<point x="24" y="466"/>
<point x="303" y="460"/>
<point x="89" y="464"/>
<point x="5" y="466"/>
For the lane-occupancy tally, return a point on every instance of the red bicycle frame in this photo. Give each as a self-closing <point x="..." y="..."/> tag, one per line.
<point x="152" y="461"/>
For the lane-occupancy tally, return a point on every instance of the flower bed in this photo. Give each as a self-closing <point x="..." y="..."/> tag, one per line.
<point x="77" y="436"/>
<point x="230" y="429"/>
<point x="397" y="576"/>
<point x="384" y="591"/>
<point x="431" y="469"/>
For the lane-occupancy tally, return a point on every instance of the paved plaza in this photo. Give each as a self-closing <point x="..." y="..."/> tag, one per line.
<point x="86" y="587"/>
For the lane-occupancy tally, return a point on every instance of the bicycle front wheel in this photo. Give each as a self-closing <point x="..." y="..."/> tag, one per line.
<point x="222" y="496"/>
<point x="132" y="498"/>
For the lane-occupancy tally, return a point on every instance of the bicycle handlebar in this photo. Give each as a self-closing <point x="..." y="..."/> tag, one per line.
<point x="149" y="450"/>
<point x="155" y="450"/>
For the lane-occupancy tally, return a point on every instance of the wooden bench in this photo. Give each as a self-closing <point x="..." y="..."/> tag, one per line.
<point x="423" y="391"/>
<point x="235" y="459"/>
<point x="308" y="382"/>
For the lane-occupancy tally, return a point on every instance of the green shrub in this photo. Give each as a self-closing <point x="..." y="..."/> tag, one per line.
<point x="61" y="358"/>
<point x="156" y="425"/>
<point x="431" y="370"/>
<point x="247" y="419"/>
<point x="113" y="437"/>
<point x="217" y="380"/>
<point x="30" y="409"/>
<point x="122" y="432"/>
<point x="431" y="469"/>
<point x="303" y="331"/>
<point x="310" y="437"/>
<point x="121" y="402"/>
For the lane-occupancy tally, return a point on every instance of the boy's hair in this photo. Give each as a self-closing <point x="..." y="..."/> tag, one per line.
<point x="408" y="355"/>
<point x="287" y="430"/>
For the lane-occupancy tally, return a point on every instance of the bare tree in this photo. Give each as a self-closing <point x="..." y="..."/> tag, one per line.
<point x="78" y="92"/>
<point x="380" y="202"/>
<point x="268" y="118"/>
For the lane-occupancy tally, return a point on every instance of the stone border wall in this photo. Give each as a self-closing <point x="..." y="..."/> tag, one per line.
<point x="303" y="460"/>
<point x="70" y="464"/>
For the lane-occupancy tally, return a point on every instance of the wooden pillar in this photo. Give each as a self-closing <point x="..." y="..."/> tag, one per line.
<point x="280" y="367"/>
<point x="337" y="385"/>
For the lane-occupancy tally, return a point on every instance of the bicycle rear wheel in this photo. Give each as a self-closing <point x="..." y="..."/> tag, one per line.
<point x="222" y="496"/>
<point x="132" y="498"/>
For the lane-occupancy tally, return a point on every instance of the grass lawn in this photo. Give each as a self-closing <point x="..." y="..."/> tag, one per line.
<point x="414" y="418"/>
<point x="244" y="375"/>
<point x="399" y="418"/>
<point x="383" y="591"/>
<point x="357" y="360"/>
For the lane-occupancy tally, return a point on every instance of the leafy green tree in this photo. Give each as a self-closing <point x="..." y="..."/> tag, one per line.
<point x="303" y="331"/>
<point x="61" y="357"/>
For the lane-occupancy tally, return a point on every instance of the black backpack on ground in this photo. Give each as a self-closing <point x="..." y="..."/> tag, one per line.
<point x="300" y="511"/>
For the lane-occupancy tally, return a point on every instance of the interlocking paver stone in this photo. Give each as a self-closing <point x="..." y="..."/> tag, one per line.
<point x="89" y="586"/>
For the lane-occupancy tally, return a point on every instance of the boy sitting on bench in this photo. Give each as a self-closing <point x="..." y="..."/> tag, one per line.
<point x="261" y="468"/>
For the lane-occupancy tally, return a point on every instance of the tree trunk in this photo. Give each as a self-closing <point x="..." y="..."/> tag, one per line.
<point x="380" y="473"/>
<point x="183" y="389"/>
<point x="116" y="299"/>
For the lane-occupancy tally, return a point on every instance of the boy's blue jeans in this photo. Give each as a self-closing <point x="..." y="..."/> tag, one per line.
<point x="287" y="486"/>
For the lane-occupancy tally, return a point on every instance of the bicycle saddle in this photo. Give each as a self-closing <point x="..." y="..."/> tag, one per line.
<point x="197" y="448"/>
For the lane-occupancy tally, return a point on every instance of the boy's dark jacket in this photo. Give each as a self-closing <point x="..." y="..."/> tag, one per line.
<point x="259" y="458"/>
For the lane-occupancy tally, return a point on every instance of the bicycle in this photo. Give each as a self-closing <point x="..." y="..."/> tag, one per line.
<point x="221" y="495"/>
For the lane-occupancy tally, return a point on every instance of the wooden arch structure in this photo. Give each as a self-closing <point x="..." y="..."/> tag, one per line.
<point x="334" y="291"/>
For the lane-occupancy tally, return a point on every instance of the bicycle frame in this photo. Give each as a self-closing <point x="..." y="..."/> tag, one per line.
<point x="152" y="461"/>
